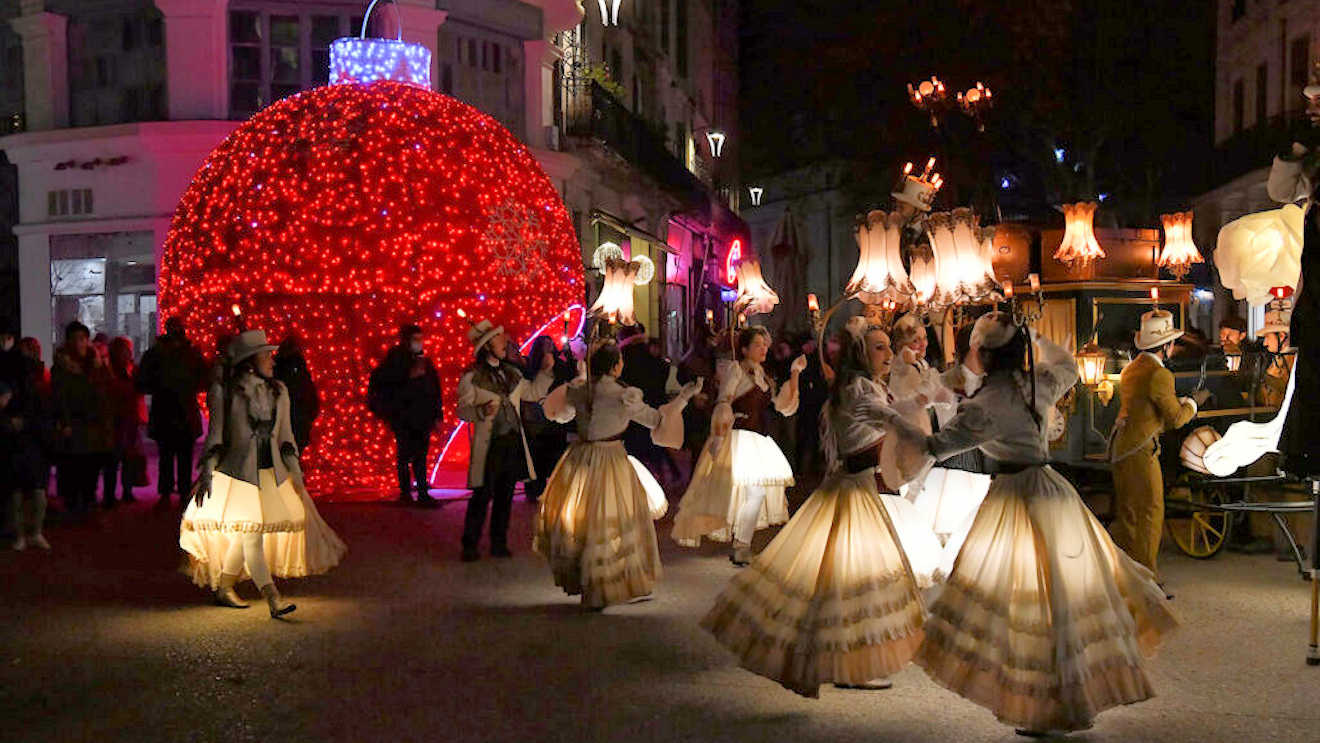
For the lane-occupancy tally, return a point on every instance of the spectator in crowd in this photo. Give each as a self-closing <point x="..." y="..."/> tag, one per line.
<point x="649" y="373"/>
<point x="404" y="390"/>
<point x="13" y="365"/>
<point x="84" y="422"/>
<point x="813" y="392"/>
<point x="546" y="369"/>
<point x="30" y="473"/>
<point x="304" y="400"/>
<point x="699" y="363"/>
<point x="126" y="460"/>
<point x="174" y="373"/>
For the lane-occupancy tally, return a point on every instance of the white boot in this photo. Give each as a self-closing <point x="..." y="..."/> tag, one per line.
<point x="278" y="607"/>
<point x="20" y="544"/>
<point x="40" y="541"/>
<point x="225" y="594"/>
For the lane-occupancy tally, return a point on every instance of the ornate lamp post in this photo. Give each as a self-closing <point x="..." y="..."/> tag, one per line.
<point x="929" y="96"/>
<point x="756" y="192"/>
<point x="609" y="12"/>
<point x="975" y="103"/>
<point x="715" y="140"/>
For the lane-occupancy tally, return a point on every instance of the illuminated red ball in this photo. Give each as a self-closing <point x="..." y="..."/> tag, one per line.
<point x="345" y="211"/>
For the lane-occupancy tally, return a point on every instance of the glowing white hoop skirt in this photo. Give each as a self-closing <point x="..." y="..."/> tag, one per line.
<point x="829" y="600"/>
<point x="947" y="503"/>
<point x="1043" y="620"/>
<point x="720" y="482"/>
<point x="298" y="542"/>
<point x="595" y="524"/>
<point x="924" y="552"/>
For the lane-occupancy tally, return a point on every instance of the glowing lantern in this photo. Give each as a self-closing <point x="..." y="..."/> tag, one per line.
<point x="923" y="277"/>
<point x="757" y="192"/>
<point x="1079" y="246"/>
<point x="1091" y="361"/>
<point x="1179" y="251"/>
<point x="813" y="304"/>
<point x="1260" y="251"/>
<point x="343" y="211"/>
<point x="716" y="141"/>
<point x="879" y="273"/>
<point x="754" y="295"/>
<point x="615" y="303"/>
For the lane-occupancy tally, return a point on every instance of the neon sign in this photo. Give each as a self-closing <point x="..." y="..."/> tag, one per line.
<point x="730" y="269"/>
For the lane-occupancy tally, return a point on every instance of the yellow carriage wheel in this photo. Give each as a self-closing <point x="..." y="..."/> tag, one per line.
<point x="1199" y="533"/>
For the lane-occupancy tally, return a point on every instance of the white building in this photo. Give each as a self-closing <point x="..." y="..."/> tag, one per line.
<point x="119" y="101"/>
<point x="1263" y="58"/>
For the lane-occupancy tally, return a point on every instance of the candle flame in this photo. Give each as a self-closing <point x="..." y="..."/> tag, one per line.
<point x="1155" y="293"/>
<point x="812" y="303"/>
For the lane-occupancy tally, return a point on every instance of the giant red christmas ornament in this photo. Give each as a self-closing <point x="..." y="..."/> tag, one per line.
<point x="344" y="211"/>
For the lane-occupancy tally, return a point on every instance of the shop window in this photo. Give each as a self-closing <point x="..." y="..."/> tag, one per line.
<point x="107" y="281"/>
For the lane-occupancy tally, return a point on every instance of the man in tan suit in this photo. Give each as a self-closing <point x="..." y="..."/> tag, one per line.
<point x="1149" y="407"/>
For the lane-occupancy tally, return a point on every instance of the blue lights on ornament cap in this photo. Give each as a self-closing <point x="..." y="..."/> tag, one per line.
<point x="362" y="60"/>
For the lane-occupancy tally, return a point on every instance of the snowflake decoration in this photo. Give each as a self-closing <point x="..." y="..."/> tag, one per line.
<point x="506" y="238"/>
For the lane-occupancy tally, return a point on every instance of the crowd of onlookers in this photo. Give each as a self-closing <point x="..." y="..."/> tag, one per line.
<point x="85" y="419"/>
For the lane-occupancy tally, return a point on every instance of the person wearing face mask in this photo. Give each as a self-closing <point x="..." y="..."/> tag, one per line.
<point x="833" y="598"/>
<point x="405" y="392"/>
<point x="490" y="395"/>
<point x="250" y="514"/>
<point x="738" y="483"/>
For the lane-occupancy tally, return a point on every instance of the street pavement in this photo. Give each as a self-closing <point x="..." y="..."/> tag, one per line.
<point x="103" y="640"/>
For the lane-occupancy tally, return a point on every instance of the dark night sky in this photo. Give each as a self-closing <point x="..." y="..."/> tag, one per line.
<point x="1126" y="87"/>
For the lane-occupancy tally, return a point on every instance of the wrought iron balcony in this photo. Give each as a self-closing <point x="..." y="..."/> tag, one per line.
<point x="592" y="113"/>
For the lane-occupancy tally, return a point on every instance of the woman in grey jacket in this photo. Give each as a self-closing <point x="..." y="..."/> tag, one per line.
<point x="250" y="514"/>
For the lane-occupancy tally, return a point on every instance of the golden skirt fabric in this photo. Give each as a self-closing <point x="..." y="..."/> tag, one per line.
<point x="720" y="482"/>
<point x="831" y="599"/>
<point x="1043" y="620"/>
<point x="595" y="526"/>
<point x="298" y="542"/>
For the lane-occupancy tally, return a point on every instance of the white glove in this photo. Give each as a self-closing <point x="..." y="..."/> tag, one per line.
<point x="691" y="389"/>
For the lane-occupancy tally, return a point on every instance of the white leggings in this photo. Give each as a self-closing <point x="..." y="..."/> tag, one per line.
<point x="745" y="526"/>
<point x="249" y="548"/>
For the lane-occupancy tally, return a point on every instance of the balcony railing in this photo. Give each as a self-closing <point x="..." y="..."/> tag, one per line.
<point x="595" y="114"/>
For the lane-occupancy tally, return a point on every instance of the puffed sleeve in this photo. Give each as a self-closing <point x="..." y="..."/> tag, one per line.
<point x="1287" y="182"/>
<point x="215" y="433"/>
<point x="721" y="417"/>
<point x="468" y="409"/>
<point x="786" y="402"/>
<point x="1056" y="370"/>
<point x="284" y="440"/>
<point x="557" y="406"/>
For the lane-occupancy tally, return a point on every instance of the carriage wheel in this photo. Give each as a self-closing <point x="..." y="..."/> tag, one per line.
<point x="1200" y="533"/>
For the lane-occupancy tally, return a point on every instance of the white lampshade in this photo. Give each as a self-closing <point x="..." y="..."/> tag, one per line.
<point x="879" y="274"/>
<point x="615" y="302"/>
<point x="1079" y="246"/>
<point x="963" y="269"/>
<point x="923" y="276"/>
<point x="1179" y="251"/>
<point x="1260" y="251"/>
<point x="754" y="295"/>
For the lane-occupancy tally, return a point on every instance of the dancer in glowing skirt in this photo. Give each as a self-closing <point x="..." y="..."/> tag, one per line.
<point x="738" y="482"/>
<point x="595" y="523"/>
<point x="250" y="515"/>
<point x="1043" y="620"/>
<point x="832" y="598"/>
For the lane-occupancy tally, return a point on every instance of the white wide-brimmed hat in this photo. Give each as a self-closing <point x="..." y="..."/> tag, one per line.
<point x="916" y="193"/>
<point x="248" y="343"/>
<point x="481" y="333"/>
<point x="1156" y="330"/>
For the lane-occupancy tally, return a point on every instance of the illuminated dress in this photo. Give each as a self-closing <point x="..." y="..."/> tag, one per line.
<point x="740" y="467"/>
<point x="256" y="489"/>
<point x="595" y="524"/>
<point x="832" y="598"/>
<point x="1043" y="620"/>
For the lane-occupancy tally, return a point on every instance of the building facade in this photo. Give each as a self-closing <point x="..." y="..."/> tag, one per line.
<point x="1263" y="57"/>
<point x="108" y="108"/>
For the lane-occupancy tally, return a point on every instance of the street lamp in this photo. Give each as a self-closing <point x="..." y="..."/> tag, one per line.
<point x="976" y="102"/>
<point x="929" y="96"/>
<point x="757" y="192"/>
<point x="1179" y="251"/>
<point x="609" y="12"/>
<point x="715" y="139"/>
<point x="1079" y="246"/>
<point x="1091" y="360"/>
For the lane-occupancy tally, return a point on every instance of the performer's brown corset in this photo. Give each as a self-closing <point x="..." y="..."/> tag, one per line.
<point x="751" y="410"/>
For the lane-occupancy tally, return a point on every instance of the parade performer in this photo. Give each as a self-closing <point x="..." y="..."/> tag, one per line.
<point x="952" y="492"/>
<point x="1148" y="408"/>
<point x="1043" y="620"/>
<point x="832" y="598"/>
<point x="738" y="483"/>
<point x="490" y="395"/>
<point x="250" y="515"/>
<point x="595" y="524"/>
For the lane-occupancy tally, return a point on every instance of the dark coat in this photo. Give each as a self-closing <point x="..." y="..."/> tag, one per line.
<point x="174" y="373"/>
<point x="411" y="388"/>
<point x="83" y="414"/>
